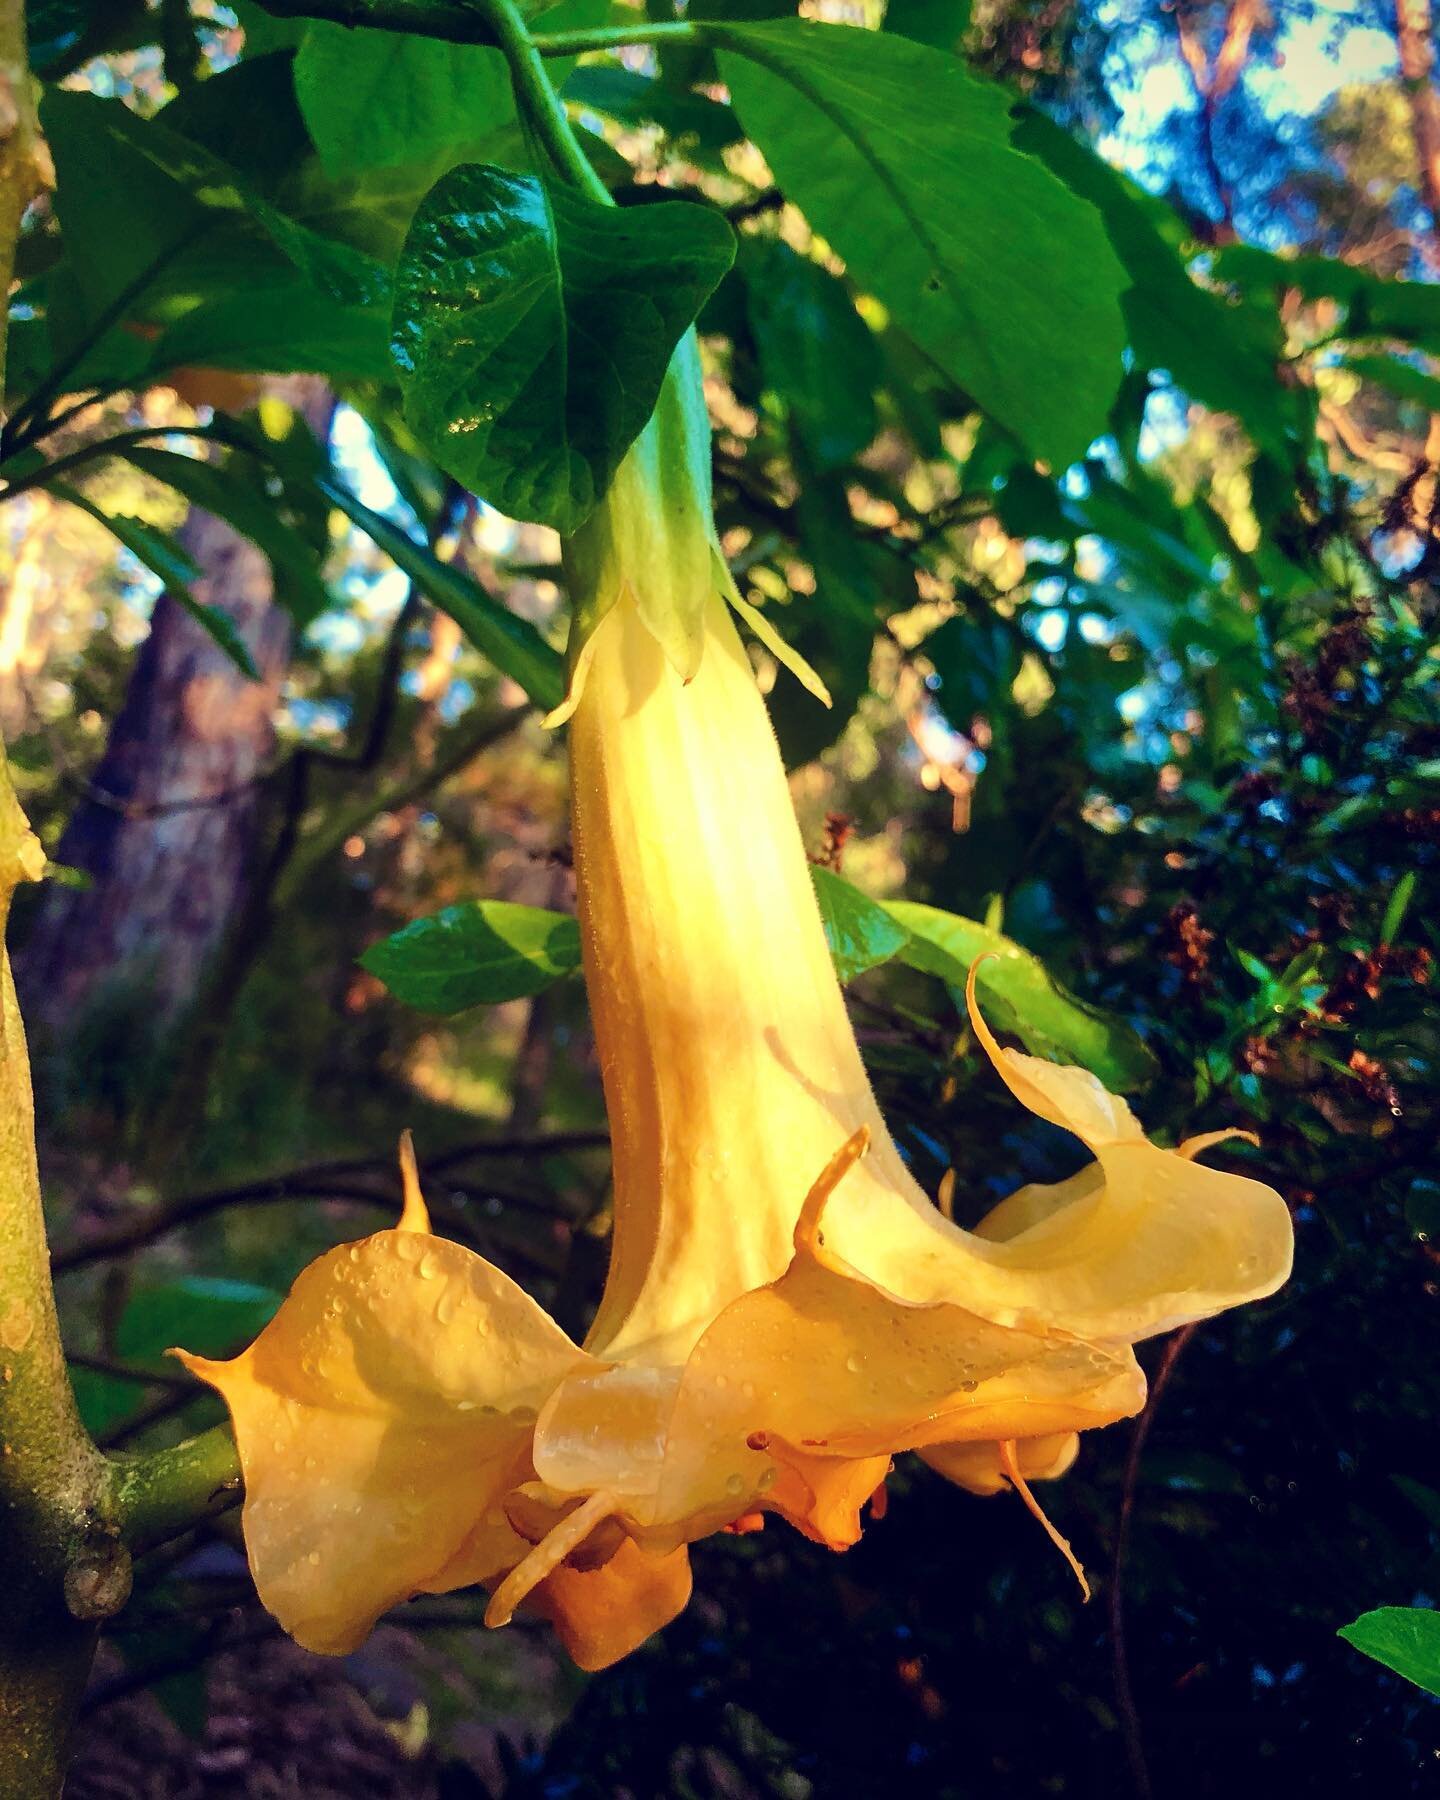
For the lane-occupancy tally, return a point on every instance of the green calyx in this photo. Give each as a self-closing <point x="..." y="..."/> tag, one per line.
<point x="652" y="541"/>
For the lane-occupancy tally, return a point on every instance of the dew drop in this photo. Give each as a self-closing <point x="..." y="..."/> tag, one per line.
<point x="734" y="1484"/>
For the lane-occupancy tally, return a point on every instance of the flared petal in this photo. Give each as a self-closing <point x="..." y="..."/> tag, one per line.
<point x="380" y="1418"/>
<point x="980" y="1468"/>
<point x="825" y="1364"/>
<point x="604" y="1613"/>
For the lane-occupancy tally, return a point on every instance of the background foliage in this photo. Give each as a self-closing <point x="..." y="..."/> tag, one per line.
<point x="1075" y="390"/>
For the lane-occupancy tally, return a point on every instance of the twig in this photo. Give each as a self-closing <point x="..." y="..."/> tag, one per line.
<point x="1124" y="1693"/>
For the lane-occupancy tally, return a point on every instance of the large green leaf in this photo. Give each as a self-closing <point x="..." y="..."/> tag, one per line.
<point x="860" y="932"/>
<point x="298" y="582"/>
<point x="1404" y="1638"/>
<point x="165" y="559"/>
<point x="1223" y="353"/>
<point x="482" y="951"/>
<point x="378" y="98"/>
<point x="1020" y="995"/>
<point x="512" y="644"/>
<point x="533" y="329"/>
<point x="903" y="161"/>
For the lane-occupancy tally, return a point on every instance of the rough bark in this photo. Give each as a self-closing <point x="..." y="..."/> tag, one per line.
<point x="167" y="834"/>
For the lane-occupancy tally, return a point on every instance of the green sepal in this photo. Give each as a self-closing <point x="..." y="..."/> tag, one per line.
<point x="651" y="536"/>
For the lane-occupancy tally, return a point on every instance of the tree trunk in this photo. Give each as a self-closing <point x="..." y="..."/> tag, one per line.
<point x="1415" y="40"/>
<point x="168" y="831"/>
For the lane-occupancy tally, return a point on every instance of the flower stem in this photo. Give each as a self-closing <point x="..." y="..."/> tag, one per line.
<point x="158" y="1496"/>
<point x="539" y="103"/>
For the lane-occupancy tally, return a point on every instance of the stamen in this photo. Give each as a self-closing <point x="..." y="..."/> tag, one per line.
<point x="945" y="1195"/>
<point x="548" y="1555"/>
<point x="807" y="1226"/>
<point x="1011" y="1466"/>
<point x="415" y="1215"/>
<point x="1194" y="1146"/>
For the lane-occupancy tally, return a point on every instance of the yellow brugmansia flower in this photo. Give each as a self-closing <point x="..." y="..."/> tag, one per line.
<point x="785" y="1309"/>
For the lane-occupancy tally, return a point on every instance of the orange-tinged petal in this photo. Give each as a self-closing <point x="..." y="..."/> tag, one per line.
<point x="980" y="1468"/>
<point x="825" y="1364"/>
<point x="823" y="1495"/>
<point x="380" y="1416"/>
<point x="603" y="1614"/>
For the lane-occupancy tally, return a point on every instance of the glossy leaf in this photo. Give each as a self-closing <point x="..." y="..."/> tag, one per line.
<point x="1404" y="1638"/>
<point x="533" y="329"/>
<point x="477" y="953"/>
<point x="511" y="643"/>
<point x="1018" y="993"/>
<point x="860" y="932"/>
<point x="940" y="23"/>
<point x="941" y="218"/>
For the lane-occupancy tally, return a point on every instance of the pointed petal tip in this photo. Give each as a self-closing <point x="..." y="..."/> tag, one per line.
<point x="414" y="1214"/>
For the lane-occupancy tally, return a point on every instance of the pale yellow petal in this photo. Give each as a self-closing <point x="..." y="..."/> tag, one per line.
<point x="1065" y="1095"/>
<point x="1032" y="1205"/>
<point x="829" y="1366"/>
<point x="379" y="1417"/>
<point x="980" y="1468"/>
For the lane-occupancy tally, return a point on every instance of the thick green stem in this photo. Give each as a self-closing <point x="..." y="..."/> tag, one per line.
<point x="158" y="1496"/>
<point x="539" y="104"/>
<point x="616" y="37"/>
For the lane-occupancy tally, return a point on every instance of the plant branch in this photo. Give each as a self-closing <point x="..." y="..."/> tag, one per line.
<point x="615" y="37"/>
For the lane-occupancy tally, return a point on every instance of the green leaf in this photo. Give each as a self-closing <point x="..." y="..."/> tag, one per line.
<point x="902" y="160"/>
<point x="164" y="558"/>
<point x="298" y="582"/>
<point x="1401" y="378"/>
<point x="1222" y="353"/>
<point x="211" y="1315"/>
<point x="1019" y="995"/>
<point x="376" y="98"/>
<point x="477" y="953"/>
<point x="512" y="644"/>
<point x="1404" y="1638"/>
<point x="533" y="329"/>
<point x="282" y="327"/>
<point x="940" y="23"/>
<point x="816" y="352"/>
<point x="634" y="99"/>
<point x="860" y="932"/>
<point x="1374" y="307"/>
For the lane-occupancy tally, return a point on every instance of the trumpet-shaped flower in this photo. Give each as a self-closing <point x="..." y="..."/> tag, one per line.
<point x="785" y="1309"/>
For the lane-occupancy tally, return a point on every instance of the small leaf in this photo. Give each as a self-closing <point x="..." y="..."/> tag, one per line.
<point x="164" y="558"/>
<point x="859" y="931"/>
<point x="816" y="352"/>
<point x="298" y="581"/>
<point x="1019" y="993"/>
<point x="902" y="160"/>
<point x="1404" y="1638"/>
<point x="480" y="952"/>
<point x="512" y="644"/>
<point x="1401" y="378"/>
<point x="533" y="330"/>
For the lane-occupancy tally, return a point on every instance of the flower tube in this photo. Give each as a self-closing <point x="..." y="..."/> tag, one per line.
<point x="785" y="1309"/>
